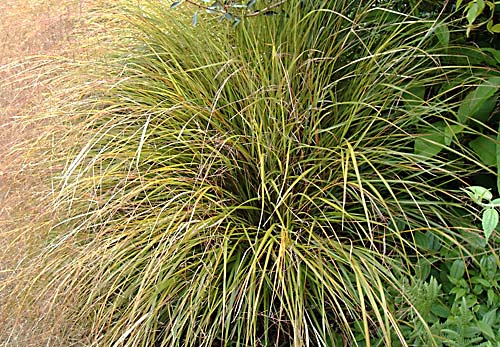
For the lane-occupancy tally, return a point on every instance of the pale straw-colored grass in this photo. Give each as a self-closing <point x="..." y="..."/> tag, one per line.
<point x="39" y="42"/>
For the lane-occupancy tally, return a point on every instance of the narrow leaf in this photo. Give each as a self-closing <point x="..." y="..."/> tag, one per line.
<point x="195" y="18"/>
<point x="175" y="4"/>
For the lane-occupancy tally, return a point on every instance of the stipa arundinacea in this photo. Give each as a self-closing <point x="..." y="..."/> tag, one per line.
<point x="258" y="186"/>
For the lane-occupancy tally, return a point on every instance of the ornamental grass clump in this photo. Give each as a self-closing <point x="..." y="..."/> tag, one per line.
<point x="257" y="185"/>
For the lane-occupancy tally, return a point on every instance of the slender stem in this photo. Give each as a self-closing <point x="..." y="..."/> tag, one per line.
<point x="270" y="7"/>
<point x="253" y="14"/>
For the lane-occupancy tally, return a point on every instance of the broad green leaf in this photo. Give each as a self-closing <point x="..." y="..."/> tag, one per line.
<point x="457" y="270"/>
<point x="480" y="6"/>
<point x="429" y="145"/>
<point x="484" y="111"/>
<point x="479" y="280"/>
<point x="475" y="99"/>
<point x="494" y="52"/>
<point x="486" y="149"/>
<point x="478" y="193"/>
<point x="472" y="12"/>
<point x="498" y="159"/>
<point x="414" y="96"/>
<point x="495" y="201"/>
<point x="440" y="310"/>
<point x="489" y="221"/>
<point x="432" y="141"/>
<point x="423" y="269"/>
<point x="489" y="266"/>
<point x="492" y="296"/>
<point x="450" y="132"/>
<point x="443" y="34"/>
<point x="459" y="292"/>
<point x="427" y="241"/>
<point x="471" y="331"/>
<point x="495" y="28"/>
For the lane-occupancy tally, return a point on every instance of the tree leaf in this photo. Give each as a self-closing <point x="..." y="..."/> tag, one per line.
<point x="489" y="221"/>
<point x="486" y="149"/>
<point x="475" y="99"/>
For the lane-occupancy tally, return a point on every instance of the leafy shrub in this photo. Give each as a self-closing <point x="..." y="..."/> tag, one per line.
<point x="459" y="301"/>
<point x="260" y="186"/>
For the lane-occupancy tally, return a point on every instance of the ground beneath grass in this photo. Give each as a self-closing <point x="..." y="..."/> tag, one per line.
<point x="34" y="34"/>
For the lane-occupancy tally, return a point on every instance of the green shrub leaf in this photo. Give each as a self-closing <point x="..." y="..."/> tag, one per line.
<point x="450" y="132"/>
<point x="489" y="221"/>
<point x="484" y="111"/>
<point x="440" y="310"/>
<point x="490" y="317"/>
<point x="472" y="103"/>
<point x="486" y="149"/>
<point x="495" y="28"/>
<point x="432" y="141"/>
<point x="486" y="329"/>
<point x="457" y="270"/>
<point x="489" y="267"/>
<point x="443" y="34"/>
<point x="494" y="52"/>
<point x="498" y="160"/>
<point x="472" y="12"/>
<point x="478" y="193"/>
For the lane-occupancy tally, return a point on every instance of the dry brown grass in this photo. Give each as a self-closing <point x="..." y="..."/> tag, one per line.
<point x="37" y="40"/>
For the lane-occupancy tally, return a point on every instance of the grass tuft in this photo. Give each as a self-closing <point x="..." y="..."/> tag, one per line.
<point x="256" y="186"/>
